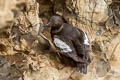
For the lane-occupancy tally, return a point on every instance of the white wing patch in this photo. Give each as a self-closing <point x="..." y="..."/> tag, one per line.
<point x="62" y="45"/>
<point x="86" y="41"/>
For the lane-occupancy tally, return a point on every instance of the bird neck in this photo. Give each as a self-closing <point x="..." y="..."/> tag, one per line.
<point x="57" y="30"/>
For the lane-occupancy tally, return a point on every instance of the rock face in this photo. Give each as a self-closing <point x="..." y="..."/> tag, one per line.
<point x="25" y="55"/>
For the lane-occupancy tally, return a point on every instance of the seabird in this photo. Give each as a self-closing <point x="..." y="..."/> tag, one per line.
<point x="71" y="42"/>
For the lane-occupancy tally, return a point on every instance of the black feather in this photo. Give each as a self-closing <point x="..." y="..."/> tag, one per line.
<point x="74" y="38"/>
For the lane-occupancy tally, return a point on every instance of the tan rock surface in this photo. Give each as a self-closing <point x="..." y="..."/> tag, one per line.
<point x="25" y="55"/>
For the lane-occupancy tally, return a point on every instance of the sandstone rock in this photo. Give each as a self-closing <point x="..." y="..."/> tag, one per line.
<point x="8" y="10"/>
<point x="46" y="73"/>
<point x="99" y="18"/>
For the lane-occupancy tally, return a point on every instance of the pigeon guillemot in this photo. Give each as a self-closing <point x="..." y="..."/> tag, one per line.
<point x="71" y="42"/>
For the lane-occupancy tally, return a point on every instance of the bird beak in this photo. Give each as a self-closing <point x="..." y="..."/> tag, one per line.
<point x="47" y="25"/>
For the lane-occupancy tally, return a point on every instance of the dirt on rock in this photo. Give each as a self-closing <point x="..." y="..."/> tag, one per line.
<point x="26" y="55"/>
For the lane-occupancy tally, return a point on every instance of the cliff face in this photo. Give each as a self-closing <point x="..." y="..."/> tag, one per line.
<point x="26" y="56"/>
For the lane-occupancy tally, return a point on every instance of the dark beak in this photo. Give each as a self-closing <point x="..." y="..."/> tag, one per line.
<point x="44" y="27"/>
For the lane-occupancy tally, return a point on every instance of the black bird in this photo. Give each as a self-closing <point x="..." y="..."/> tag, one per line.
<point x="71" y="42"/>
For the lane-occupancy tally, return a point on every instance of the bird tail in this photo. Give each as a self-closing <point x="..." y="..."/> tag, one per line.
<point x="81" y="67"/>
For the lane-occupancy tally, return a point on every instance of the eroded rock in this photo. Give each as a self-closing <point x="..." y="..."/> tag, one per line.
<point x="26" y="59"/>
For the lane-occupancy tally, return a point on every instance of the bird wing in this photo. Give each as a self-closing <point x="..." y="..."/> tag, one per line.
<point x="78" y="42"/>
<point x="62" y="45"/>
<point x="85" y="44"/>
<point x="81" y="44"/>
<point x="66" y="47"/>
<point x="82" y="47"/>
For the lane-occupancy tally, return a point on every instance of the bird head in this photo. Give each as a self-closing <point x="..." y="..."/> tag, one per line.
<point x="55" y="21"/>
